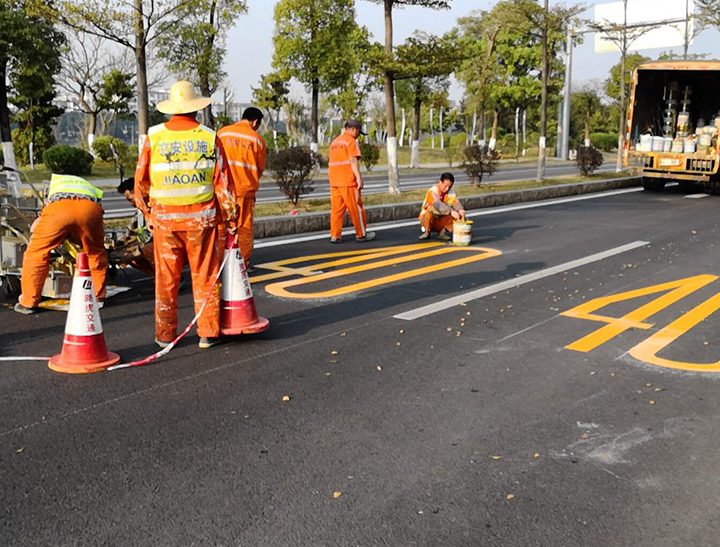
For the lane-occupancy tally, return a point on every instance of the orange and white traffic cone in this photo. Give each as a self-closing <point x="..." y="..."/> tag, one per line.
<point x="237" y="305"/>
<point x="84" y="347"/>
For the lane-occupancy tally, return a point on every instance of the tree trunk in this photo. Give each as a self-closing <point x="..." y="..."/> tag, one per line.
<point x="143" y="113"/>
<point x="474" y="129"/>
<point x="442" y="132"/>
<point x="92" y="132"/>
<point x="415" y="149"/>
<point x="6" y="134"/>
<point x="623" y="122"/>
<point x="482" y="128"/>
<point x="517" y="132"/>
<point x="402" y="129"/>
<point x="524" y="131"/>
<point x="314" y="109"/>
<point x="493" y="133"/>
<point x="432" y="129"/>
<point x="587" y="127"/>
<point x="393" y="183"/>
<point x="543" y="98"/>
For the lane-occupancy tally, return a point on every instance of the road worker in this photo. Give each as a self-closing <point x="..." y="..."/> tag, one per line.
<point x="182" y="187"/>
<point x="73" y="210"/>
<point x="246" y="152"/>
<point x="346" y="184"/>
<point x="137" y="247"/>
<point x="440" y="209"/>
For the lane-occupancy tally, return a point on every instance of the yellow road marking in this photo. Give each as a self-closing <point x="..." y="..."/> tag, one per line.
<point x="647" y="350"/>
<point x="353" y="257"/>
<point x="615" y="326"/>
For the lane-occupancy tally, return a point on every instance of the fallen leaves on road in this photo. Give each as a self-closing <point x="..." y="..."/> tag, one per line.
<point x="658" y="389"/>
<point x="336" y="495"/>
<point x="510" y="497"/>
<point x="497" y="458"/>
<point x="398" y="343"/>
<point x="651" y="402"/>
<point x="449" y="329"/>
<point x="344" y="334"/>
<point x="536" y="455"/>
<point x="333" y="352"/>
<point x="286" y="398"/>
<point x="463" y="304"/>
<point x="585" y="436"/>
<point x="20" y="450"/>
<point x="328" y="374"/>
<point x="402" y="331"/>
<point x="379" y="367"/>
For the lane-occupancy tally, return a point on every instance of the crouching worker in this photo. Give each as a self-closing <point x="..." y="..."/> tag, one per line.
<point x="73" y="210"/>
<point x="440" y="209"/>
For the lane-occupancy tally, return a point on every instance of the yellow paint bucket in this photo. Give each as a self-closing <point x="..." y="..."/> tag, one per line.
<point x="462" y="232"/>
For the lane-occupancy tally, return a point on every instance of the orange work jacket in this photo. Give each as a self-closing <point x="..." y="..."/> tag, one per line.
<point x="221" y="208"/>
<point x="246" y="152"/>
<point x="341" y="150"/>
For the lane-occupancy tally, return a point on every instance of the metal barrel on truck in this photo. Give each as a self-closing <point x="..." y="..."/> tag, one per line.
<point x="672" y="125"/>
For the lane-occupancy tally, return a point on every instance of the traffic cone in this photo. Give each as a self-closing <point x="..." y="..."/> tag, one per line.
<point x="84" y="347"/>
<point x="237" y="305"/>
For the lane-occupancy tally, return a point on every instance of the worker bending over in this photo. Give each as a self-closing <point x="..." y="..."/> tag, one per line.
<point x="246" y="152"/>
<point x="181" y="185"/>
<point x="346" y="184"/>
<point x="73" y="210"/>
<point x="138" y="248"/>
<point x="440" y="209"/>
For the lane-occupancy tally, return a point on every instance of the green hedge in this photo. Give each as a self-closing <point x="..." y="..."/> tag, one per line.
<point x="101" y="147"/>
<point x="66" y="160"/>
<point x="604" y="141"/>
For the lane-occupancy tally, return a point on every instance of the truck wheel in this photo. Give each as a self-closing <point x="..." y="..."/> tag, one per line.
<point x="10" y="286"/>
<point x="653" y="185"/>
<point x="712" y="187"/>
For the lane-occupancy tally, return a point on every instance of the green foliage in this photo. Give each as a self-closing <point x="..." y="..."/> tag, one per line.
<point x="427" y="143"/>
<point x="195" y="48"/>
<point x="44" y="139"/>
<point x="478" y="162"/>
<point x="156" y="117"/>
<point x="451" y="153"/>
<point x="102" y="149"/>
<point x="612" y="84"/>
<point x="588" y="160"/>
<point x="292" y="169"/>
<point x="274" y="144"/>
<point x="67" y="160"/>
<point x="604" y="141"/>
<point x="459" y="140"/>
<point x="272" y="95"/>
<point x="116" y="91"/>
<point x="370" y="155"/>
<point x="221" y="120"/>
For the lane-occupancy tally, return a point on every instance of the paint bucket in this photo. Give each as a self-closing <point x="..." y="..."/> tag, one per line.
<point x="462" y="232"/>
<point x="667" y="144"/>
<point x="677" y="146"/>
<point x="657" y="144"/>
<point x="689" y="146"/>
<point x="646" y="142"/>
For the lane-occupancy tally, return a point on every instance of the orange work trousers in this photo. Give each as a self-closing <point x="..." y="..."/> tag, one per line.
<point x="436" y="223"/>
<point x="346" y="198"/>
<point x="246" y="239"/>
<point x="81" y="218"/>
<point x="200" y="248"/>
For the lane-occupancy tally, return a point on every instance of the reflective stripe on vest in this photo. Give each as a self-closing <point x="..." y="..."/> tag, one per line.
<point x="182" y="165"/>
<point x="242" y="136"/>
<point x="206" y="213"/>
<point x="241" y="164"/>
<point x="69" y="184"/>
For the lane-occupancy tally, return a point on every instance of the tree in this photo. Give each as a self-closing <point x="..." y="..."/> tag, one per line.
<point x="311" y="39"/>
<point x="613" y="83"/>
<point x="32" y="77"/>
<point x="393" y="182"/>
<point x="84" y="64"/>
<point x="195" y="49"/>
<point x="116" y="92"/>
<point x="133" y="24"/>
<point x="272" y="96"/>
<point x="584" y="104"/>
<point x="423" y="65"/>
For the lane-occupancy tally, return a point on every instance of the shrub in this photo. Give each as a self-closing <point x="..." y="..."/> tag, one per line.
<point x="459" y="140"/>
<point x="274" y="144"/>
<point x="292" y="169"/>
<point x="451" y="153"/>
<point x="478" y="162"/>
<point x="427" y="143"/>
<point x="44" y="139"/>
<point x="604" y="141"/>
<point x="370" y="155"/>
<point x="66" y="160"/>
<point x="588" y="159"/>
<point x="103" y="150"/>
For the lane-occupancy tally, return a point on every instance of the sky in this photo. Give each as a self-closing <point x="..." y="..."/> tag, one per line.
<point x="250" y="41"/>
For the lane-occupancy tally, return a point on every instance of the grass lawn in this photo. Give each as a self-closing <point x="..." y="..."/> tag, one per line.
<point x="310" y="205"/>
<point x="100" y="170"/>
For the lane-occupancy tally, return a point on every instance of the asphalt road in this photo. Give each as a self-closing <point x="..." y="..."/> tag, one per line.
<point x="377" y="183"/>
<point x="539" y="424"/>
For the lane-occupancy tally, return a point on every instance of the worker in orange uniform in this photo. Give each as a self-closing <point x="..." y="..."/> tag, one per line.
<point x="440" y="209"/>
<point x="73" y="210"/>
<point x="246" y="152"/>
<point x="182" y="187"/>
<point x="346" y="184"/>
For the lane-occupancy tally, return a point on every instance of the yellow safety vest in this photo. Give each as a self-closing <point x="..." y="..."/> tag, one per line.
<point x="450" y="199"/>
<point x="182" y="165"/>
<point x="74" y="186"/>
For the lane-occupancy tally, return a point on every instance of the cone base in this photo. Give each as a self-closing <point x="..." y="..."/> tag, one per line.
<point x="258" y="326"/>
<point x="59" y="365"/>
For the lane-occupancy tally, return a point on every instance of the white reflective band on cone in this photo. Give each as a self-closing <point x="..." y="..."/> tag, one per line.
<point x="235" y="283"/>
<point x="83" y="317"/>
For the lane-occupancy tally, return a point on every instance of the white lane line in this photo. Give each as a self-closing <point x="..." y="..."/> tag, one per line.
<point x="697" y="196"/>
<point x="516" y="282"/>
<point x="414" y="222"/>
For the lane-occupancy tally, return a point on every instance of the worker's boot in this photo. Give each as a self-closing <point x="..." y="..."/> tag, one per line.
<point x="335" y="240"/>
<point x="369" y="236"/>
<point x="162" y="344"/>
<point x="207" y="342"/>
<point x="443" y="235"/>
<point x="424" y="235"/>
<point x="22" y="309"/>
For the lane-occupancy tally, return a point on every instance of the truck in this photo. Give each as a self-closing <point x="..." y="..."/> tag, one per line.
<point x="672" y="124"/>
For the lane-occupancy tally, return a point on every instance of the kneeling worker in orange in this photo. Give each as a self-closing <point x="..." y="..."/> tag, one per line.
<point x="246" y="152"/>
<point x="73" y="210"/>
<point x="346" y="184"/>
<point x="181" y="185"/>
<point x="440" y="209"/>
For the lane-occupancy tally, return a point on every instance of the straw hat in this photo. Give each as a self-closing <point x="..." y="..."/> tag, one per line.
<point x="183" y="100"/>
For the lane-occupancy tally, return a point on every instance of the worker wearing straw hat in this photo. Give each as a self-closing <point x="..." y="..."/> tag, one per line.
<point x="182" y="185"/>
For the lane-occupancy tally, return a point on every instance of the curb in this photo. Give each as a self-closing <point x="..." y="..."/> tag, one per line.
<point x="282" y="225"/>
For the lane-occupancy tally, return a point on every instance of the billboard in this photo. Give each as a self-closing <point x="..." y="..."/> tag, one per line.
<point x="645" y="11"/>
